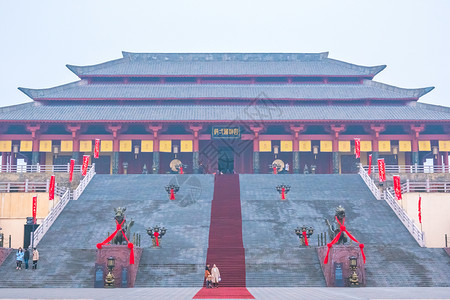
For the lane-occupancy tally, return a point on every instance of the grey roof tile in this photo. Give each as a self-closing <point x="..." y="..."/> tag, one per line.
<point x="368" y="90"/>
<point x="146" y="112"/>
<point x="227" y="64"/>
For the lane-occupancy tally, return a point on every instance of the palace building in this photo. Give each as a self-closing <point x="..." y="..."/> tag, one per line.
<point x="227" y="112"/>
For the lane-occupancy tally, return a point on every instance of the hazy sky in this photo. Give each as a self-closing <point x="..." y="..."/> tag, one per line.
<point x="38" y="38"/>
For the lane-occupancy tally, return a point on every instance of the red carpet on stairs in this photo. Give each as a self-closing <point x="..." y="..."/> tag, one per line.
<point x="226" y="248"/>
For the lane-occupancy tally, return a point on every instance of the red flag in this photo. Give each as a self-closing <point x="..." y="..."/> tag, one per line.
<point x="51" y="190"/>
<point x="34" y="209"/>
<point x="72" y="165"/>
<point x="420" y="210"/>
<point x="370" y="164"/>
<point x="357" y="148"/>
<point x="181" y="170"/>
<point x="85" y="164"/>
<point x="283" y="193"/>
<point x="397" y="187"/>
<point x="96" y="148"/>
<point x="381" y="170"/>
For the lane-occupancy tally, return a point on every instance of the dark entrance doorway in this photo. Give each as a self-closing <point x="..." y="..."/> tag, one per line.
<point x="349" y="164"/>
<point x="226" y="160"/>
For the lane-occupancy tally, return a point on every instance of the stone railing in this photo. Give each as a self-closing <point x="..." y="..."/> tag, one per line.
<point x="83" y="183"/>
<point x="39" y="233"/>
<point x="426" y="187"/>
<point x="30" y="187"/>
<point x="403" y="216"/>
<point x="369" y="182"/>
<point x="39" y="168"/>
<point x="411" y="169"/>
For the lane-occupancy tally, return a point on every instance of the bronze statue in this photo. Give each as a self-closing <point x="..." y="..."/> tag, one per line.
<point x="126" y="227"/>
<point x="332" y="230"/>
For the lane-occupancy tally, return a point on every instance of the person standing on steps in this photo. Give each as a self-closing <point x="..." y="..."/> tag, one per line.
<point x="35" y="258"/>
<point x="207" y="276"/>
<point x="26" y="258"/>
<point x="215" y="273"/>
<point x="19" y="258"/>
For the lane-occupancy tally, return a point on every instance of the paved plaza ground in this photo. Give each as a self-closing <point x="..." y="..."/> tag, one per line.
<point x="259" y="293"/>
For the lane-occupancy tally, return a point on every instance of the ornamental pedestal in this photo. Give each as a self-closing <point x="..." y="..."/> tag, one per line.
<point x="124" y="273"/>
<point x="337" y="271"/>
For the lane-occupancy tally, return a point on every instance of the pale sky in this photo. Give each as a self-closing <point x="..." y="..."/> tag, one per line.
<point x="38" y="38"/>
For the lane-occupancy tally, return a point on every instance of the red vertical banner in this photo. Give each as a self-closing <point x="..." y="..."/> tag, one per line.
<point x="85" y="164"/>
<point x="420" y="210"/>
<point x="357" y="148"/>
<point x="382" y="170"/>
<point x="34" y="209"/>
<point x="96" y="148"/>
<point x="51" y="189"/>
<point x="370" y="164"/>
<point x="397" y="187"/>
<point x="72" y="165"/>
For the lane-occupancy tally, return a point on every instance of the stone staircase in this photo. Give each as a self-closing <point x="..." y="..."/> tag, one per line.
<point x="67" y="251"/>
<point x="274" y="258"/>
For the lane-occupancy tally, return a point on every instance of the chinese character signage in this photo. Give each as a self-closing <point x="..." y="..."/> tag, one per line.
<point x="219" y="132"/>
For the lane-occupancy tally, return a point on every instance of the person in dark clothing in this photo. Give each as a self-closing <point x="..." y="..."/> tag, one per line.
<point x="26" y="258"/>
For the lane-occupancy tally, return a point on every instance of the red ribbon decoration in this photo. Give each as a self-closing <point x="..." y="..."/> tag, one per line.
<point x="181" y="170"/>
<point x="336" y="239"/>
<point x="397" y="187"/>
<point x="420" y="209"/>
<point x="51" y="189"/>
<point x="72" y="165"/>
<point x="283" y="193"/>
<point x="357" y="148"/>
<point x="156" y="235"/>
<point x="172" y="194"/>
<point x="85" y="165"/>
<point x="381" y="170"/>
<point x="274" y="170"/>
<point x="109" y="238"/>
<point x="96" y="148"/>
<point x="370" y="165"/>
<point x="305" y="238"/>
<point x="34" y="209"/>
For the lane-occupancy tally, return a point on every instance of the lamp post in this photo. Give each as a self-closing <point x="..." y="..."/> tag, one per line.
<point x="136" y="151"/>
<point x="55" y="151"/>
<point x="283" y="190"/>
<point x="125" y="167"/>
<point x="275" y="150"/>
<point x="304" y="233"/>
<point x="175" y="150"/>
<point x="172" y="189"/>
<point x="315" y="151"/>
<point x="353" y="279"/>
<point x="15" y="149"/>
<point x="156" y="233"/>
<point x="109" y="279"/>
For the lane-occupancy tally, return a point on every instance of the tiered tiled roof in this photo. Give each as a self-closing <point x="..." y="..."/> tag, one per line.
<point x="80" y="90"/>
<point x="225" y="64"/>
<point x="265" y="111"/>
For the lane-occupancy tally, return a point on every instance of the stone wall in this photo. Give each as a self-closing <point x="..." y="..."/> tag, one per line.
<point x="62" y="179"/>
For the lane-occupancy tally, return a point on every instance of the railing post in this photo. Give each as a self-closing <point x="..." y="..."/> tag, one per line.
<point x="8" y="187"/>
<point x="428" y="185"/>
<point x="26" y="185"/>
<point x="47" y="186"/>
<point x="68" y="167"/>
<point x="407" y="185"/>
